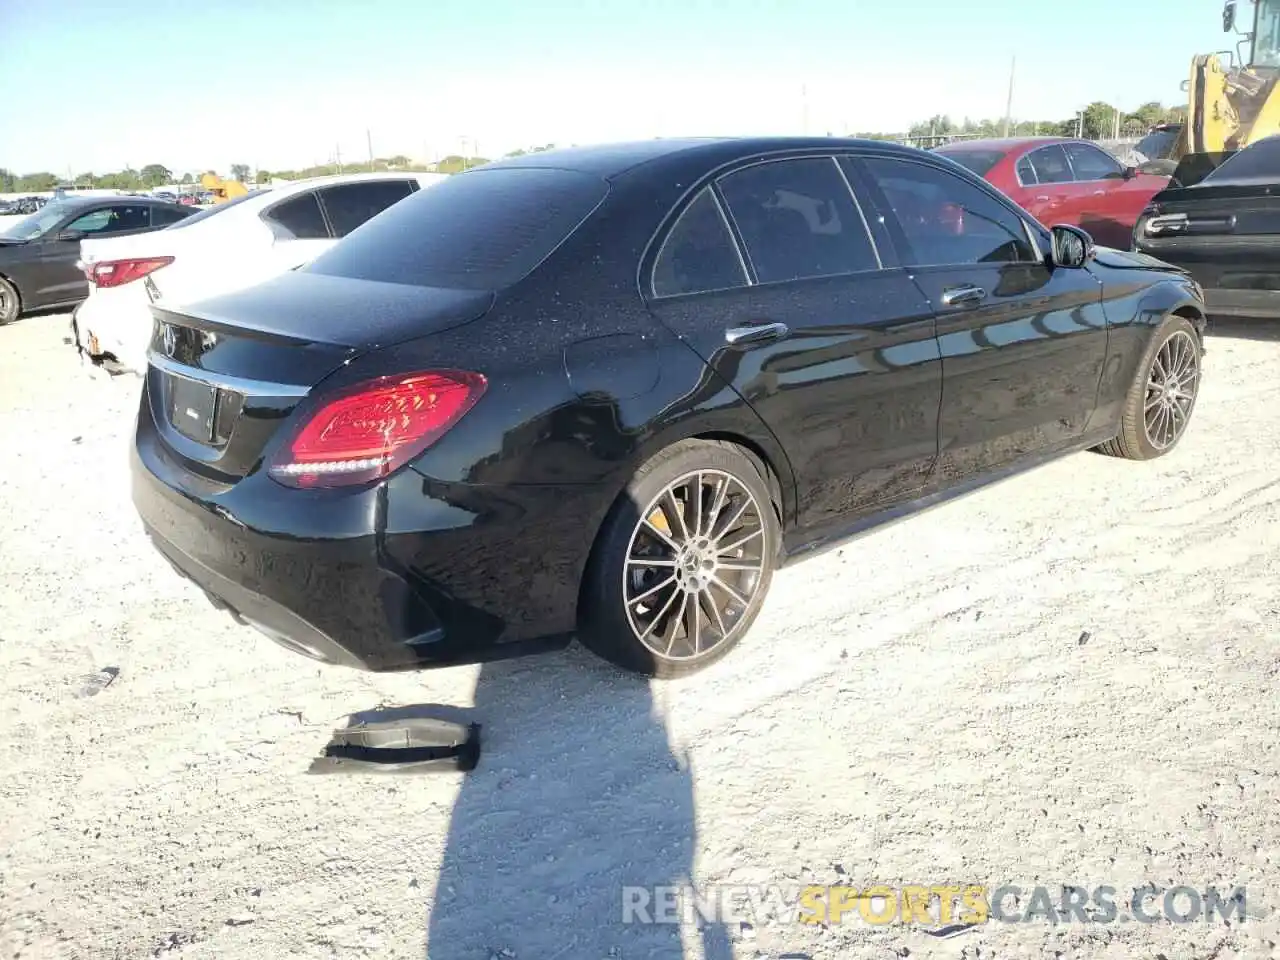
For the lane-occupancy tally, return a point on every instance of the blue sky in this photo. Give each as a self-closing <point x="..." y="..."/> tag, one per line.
<point x="97" y="84"/>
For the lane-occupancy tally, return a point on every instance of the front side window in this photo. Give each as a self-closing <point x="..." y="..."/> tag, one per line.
<point x="298" y="218"/>
<point x="798" y="219"/>
<point x="113" y="220"/>
<point x="351" y="204"/>
<point x="699" y="254"/>
<point x="947" y="220"/>
<point x="1090" y="163"/>
<point x="1050" y="165"/>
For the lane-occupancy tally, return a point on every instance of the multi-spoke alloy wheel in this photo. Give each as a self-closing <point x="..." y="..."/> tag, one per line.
<point x="1171" y="389"/>
<point x="1162" y="395"/>
<point x="693" y="564"/>
<point x="683" y="561"/>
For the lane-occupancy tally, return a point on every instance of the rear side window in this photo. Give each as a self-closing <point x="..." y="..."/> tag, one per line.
<point x="1026" y="172"/>
<point x="798" y="219"/>
<point x="351" y="204"/>
<point x="298" y="218"/>
<point x="699" y="254"/>
<point x="977" y="161"/>
<point x="482" y="230"/>
<point x="1050" y="165"/>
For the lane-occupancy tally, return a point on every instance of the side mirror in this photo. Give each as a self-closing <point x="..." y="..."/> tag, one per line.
<point x="1229" y="16"/>
<point x="1130" y="172"/>
<point x="1072" y="247"/>
<point x="69" y="235"/>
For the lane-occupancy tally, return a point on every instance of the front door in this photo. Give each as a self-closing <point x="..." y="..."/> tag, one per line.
<point x="60" y="279"/>
<point x="772" y="276"/>
<point x="1023" y="343"/>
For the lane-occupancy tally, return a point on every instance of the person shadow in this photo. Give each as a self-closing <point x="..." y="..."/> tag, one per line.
<point x="578" y="796"/>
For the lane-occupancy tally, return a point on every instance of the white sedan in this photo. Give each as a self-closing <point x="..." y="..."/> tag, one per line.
<point x="234" y="245"/>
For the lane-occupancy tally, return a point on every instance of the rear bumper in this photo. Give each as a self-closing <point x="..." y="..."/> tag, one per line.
<point x="116" y="322"/>
<point x="388" y="578"/>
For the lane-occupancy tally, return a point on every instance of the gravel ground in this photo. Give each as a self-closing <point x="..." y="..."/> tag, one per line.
<point x="1067" y="678"/>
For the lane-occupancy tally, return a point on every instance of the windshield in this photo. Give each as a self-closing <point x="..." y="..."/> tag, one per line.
<point x="1158" y="144"/>
<point x="1266" y="42"/>
<point x="976" y="161"/>
<point x="206" y="214"/>
<point x="28" y="228"/>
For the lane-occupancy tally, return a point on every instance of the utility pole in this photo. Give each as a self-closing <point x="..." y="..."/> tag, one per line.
<point x="337" y="156"/>
<point x="1008" y="107"/>
<point x="368" y="137"/>
<point x="1079" y="124"/>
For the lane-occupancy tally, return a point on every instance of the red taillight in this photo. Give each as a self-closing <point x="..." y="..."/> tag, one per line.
<point x="371" y="429"/>
<point x="115" y="273"/>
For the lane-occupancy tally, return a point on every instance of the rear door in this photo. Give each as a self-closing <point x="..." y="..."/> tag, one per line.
<point x="1046" y="186"/>
<point x="59" y="278"/>
<point x="772" y="275"/>
<point x="1023" y="344"/>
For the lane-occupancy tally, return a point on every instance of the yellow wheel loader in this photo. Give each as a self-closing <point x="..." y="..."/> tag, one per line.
<point x="1232" y="98"/>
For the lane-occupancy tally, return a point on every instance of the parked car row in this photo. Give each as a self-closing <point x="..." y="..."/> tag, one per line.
<point x="21" y="206"/>
<point x="606" y="392"/>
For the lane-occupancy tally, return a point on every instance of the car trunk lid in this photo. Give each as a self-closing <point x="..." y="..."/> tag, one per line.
<point x="224" y="374"/>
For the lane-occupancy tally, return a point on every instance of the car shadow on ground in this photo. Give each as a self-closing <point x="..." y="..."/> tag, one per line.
<point x="577" y="796"/>
<point x="1239" y="328"/>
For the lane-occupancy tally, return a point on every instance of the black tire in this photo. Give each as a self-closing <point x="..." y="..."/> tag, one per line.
<point x="1135" y="439"/>
<point x="10" y="302"/>
<point x="724" y="475"/>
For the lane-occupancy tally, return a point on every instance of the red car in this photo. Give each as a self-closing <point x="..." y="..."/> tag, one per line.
<point x="1058" y="180"/>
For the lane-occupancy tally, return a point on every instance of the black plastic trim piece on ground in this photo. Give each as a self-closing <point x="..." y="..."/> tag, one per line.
<point x="417" y="745"/>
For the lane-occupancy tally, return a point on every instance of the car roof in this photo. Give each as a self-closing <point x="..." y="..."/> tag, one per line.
<point x="613" y="159"/>
<point x="1004" y="144"/>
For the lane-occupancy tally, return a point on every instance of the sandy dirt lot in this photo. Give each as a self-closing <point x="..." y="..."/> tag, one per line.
<point x="1069" y="678"/>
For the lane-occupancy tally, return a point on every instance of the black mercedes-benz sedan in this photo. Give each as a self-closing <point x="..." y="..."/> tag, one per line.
<point x="39" y="254"/>
<point x="1224" y="229"/>
<point x="606" y="392"/>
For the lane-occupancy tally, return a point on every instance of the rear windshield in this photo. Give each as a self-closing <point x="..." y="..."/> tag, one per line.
<point x="978" y="161"/>
<point x="482" y="230"/>
<point x="206" y="214"/>
<point x="1261" y="161"/>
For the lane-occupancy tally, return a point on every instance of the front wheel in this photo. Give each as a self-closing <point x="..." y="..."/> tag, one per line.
<point x="683" y="562"/>
<point x="10" y="302"/>
<point x="1163" y="395"/>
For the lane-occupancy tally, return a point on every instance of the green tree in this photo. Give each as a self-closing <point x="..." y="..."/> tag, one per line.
<point x="399" y="161"/>
<point x="188" y="178"/>
<point x="240" y="171"/>
<point x="36" y="183"/>
<point x="264" y="176"/>
<point x="156" y="175"/>
<point x="8" y="180"/>
<point x="1099" y="120"/>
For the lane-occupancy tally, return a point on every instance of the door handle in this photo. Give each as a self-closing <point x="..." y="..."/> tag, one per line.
<point x="961" y="296"/>
<point x="1042" y="199"/>
<point x="1099" y="193"/>
<point x="758" y="333"/>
